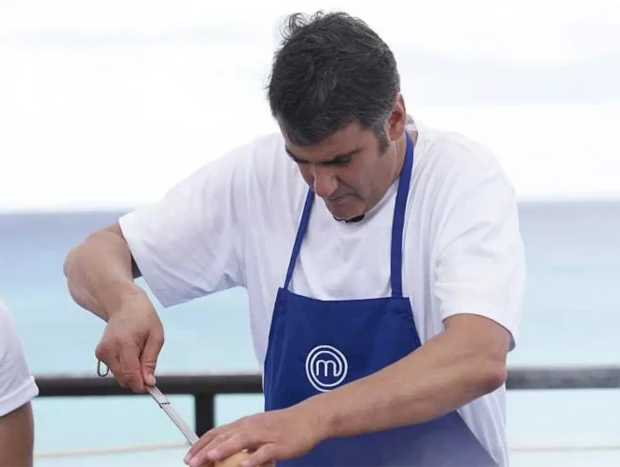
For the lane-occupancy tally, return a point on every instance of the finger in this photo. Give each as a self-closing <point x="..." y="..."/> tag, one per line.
<point x="112" y="360"/>
<point x="266" y="455"/>
<point x="222" y="449"/>
<point x="148" y="360"/>
<point x="105" y="355"/>
<point x="115" y="369"/>
<point x="130" y="368"/>
<point x="204" y="440"/>
<point x="210" y="451"/>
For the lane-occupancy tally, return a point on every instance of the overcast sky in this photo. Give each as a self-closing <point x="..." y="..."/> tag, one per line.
<point x="108" y="104"/>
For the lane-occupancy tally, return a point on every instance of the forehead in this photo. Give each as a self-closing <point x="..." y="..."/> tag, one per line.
<point x="351" y="139"/>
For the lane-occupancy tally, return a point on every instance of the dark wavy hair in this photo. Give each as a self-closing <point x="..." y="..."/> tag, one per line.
<point x="331" y="70"/>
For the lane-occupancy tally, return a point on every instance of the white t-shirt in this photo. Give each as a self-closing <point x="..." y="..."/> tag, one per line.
<point x="233" y="223"/>
<point x="17" y="385"/>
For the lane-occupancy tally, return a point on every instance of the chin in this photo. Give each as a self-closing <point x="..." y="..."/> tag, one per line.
<point x="344" y="214"/>
<point x="345" y="209"/>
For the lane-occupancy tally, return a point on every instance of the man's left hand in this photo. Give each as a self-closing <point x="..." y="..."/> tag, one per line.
<point x="269" y="436"/>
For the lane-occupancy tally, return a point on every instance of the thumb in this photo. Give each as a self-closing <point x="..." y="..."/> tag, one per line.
<point x="148" y="360"/>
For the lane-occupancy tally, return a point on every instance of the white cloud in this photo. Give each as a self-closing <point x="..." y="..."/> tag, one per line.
<point x="527" y="30"/>
<point x="110" y="103"/>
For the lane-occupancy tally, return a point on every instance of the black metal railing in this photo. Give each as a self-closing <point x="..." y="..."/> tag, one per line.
<point x="204" y="387"/>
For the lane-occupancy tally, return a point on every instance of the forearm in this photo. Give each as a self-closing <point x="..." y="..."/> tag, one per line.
<point x="442" y="375"/>
<point x="99" y="273"/>
<point x="17" y="437"/>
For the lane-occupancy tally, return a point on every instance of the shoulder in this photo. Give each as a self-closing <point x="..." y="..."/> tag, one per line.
<point x="450" y="167"/>
<point x="472" y="225"/>
<point x="270" y="162"/>
<point x="448" y="154"/>
<point x="259" y="163"/>
<point x="265" y="151"/>
<point x="260" y="153"/>
<point x="17" y="385"/>
<point x="7" y="332"/>
<point x="253" y="170"/>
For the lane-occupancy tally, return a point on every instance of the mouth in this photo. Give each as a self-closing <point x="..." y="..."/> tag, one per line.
<point x="337" y="200"/>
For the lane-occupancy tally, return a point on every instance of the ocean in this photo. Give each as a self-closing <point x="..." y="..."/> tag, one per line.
<point x="571" y="316"/>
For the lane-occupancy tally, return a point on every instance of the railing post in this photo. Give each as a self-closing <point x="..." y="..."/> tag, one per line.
<point x="204" y="413"/>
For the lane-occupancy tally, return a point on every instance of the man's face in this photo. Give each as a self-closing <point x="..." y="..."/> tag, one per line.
<point x="348" y="169"/>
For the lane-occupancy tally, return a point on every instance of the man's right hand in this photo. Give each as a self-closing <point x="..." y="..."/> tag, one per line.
<point x="131" y="342"/>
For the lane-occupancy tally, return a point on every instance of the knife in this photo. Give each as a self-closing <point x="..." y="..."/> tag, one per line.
<point x="164" y="404"/>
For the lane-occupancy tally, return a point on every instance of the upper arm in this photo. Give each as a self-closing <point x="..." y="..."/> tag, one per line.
<point x="17" y="389"/>
<point x="17" y="436"/>
<point x="190" y="243"/>
<point x="479" y="255"/>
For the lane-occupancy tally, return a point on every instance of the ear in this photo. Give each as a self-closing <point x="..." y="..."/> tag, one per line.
<point x="398" y="119"/>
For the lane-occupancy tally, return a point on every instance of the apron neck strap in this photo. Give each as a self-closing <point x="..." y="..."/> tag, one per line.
<point x="301" y="231"/>
<point x="398" y="221"/>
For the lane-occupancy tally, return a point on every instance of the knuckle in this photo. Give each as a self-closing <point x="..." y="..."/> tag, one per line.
<point x="225" y="439"/>
<point x="150" y="365"/>
<point x="101" y="354"/>
<point x="118" y="377"/>
<point x="241" y="435"/>
<point x="131" y="378"/>
<point x="270" y="451"/>
<point x="128" y="375"/>
<point x="102" y="350"/>
<point x="108" y="347"/>
<point x="121" y="383"/>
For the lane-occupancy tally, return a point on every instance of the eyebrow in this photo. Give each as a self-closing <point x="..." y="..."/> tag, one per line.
<point x="334" y="160"/>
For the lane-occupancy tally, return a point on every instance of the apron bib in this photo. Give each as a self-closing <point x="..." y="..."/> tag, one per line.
<point x="315" y="346"/>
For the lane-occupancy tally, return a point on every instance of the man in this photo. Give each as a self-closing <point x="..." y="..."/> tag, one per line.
<point x="17" y="389"/>
<point x="381" y="313"/>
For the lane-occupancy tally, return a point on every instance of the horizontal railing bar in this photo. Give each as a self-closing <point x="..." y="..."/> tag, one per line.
<point x="204" y="383"/>
<point x="521" y="378"/>
<point x="560" y="377"/>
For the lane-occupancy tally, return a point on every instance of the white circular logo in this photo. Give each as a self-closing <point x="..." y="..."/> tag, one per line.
<point x="326" y="367"/>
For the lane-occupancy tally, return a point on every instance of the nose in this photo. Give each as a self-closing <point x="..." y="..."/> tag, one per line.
<point x="325" y="182"/>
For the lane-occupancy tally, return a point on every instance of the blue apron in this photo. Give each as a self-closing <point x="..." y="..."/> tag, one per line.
<point x="317" y="345"/>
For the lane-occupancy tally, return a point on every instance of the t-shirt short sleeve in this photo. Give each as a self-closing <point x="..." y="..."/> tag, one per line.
<point x="190" y="243"/>
<point x="479" y="253"/>
<point x="17" y="385"/>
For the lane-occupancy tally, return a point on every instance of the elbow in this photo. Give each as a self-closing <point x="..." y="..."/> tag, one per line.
<point x="69" y="262"/>
<point x="72" y="259"/>
<point x="491" y="375"/>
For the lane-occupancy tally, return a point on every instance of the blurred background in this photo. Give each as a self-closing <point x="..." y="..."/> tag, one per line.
<point x="104" y="106"/>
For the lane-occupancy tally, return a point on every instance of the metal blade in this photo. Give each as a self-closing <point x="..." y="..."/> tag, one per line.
<point x="167" y="407"/>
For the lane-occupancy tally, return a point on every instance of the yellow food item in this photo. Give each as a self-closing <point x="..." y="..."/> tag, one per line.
<point x="236" y="459"/>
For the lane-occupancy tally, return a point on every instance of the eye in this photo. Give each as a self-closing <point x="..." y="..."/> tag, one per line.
<point x="341" y="161"/>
